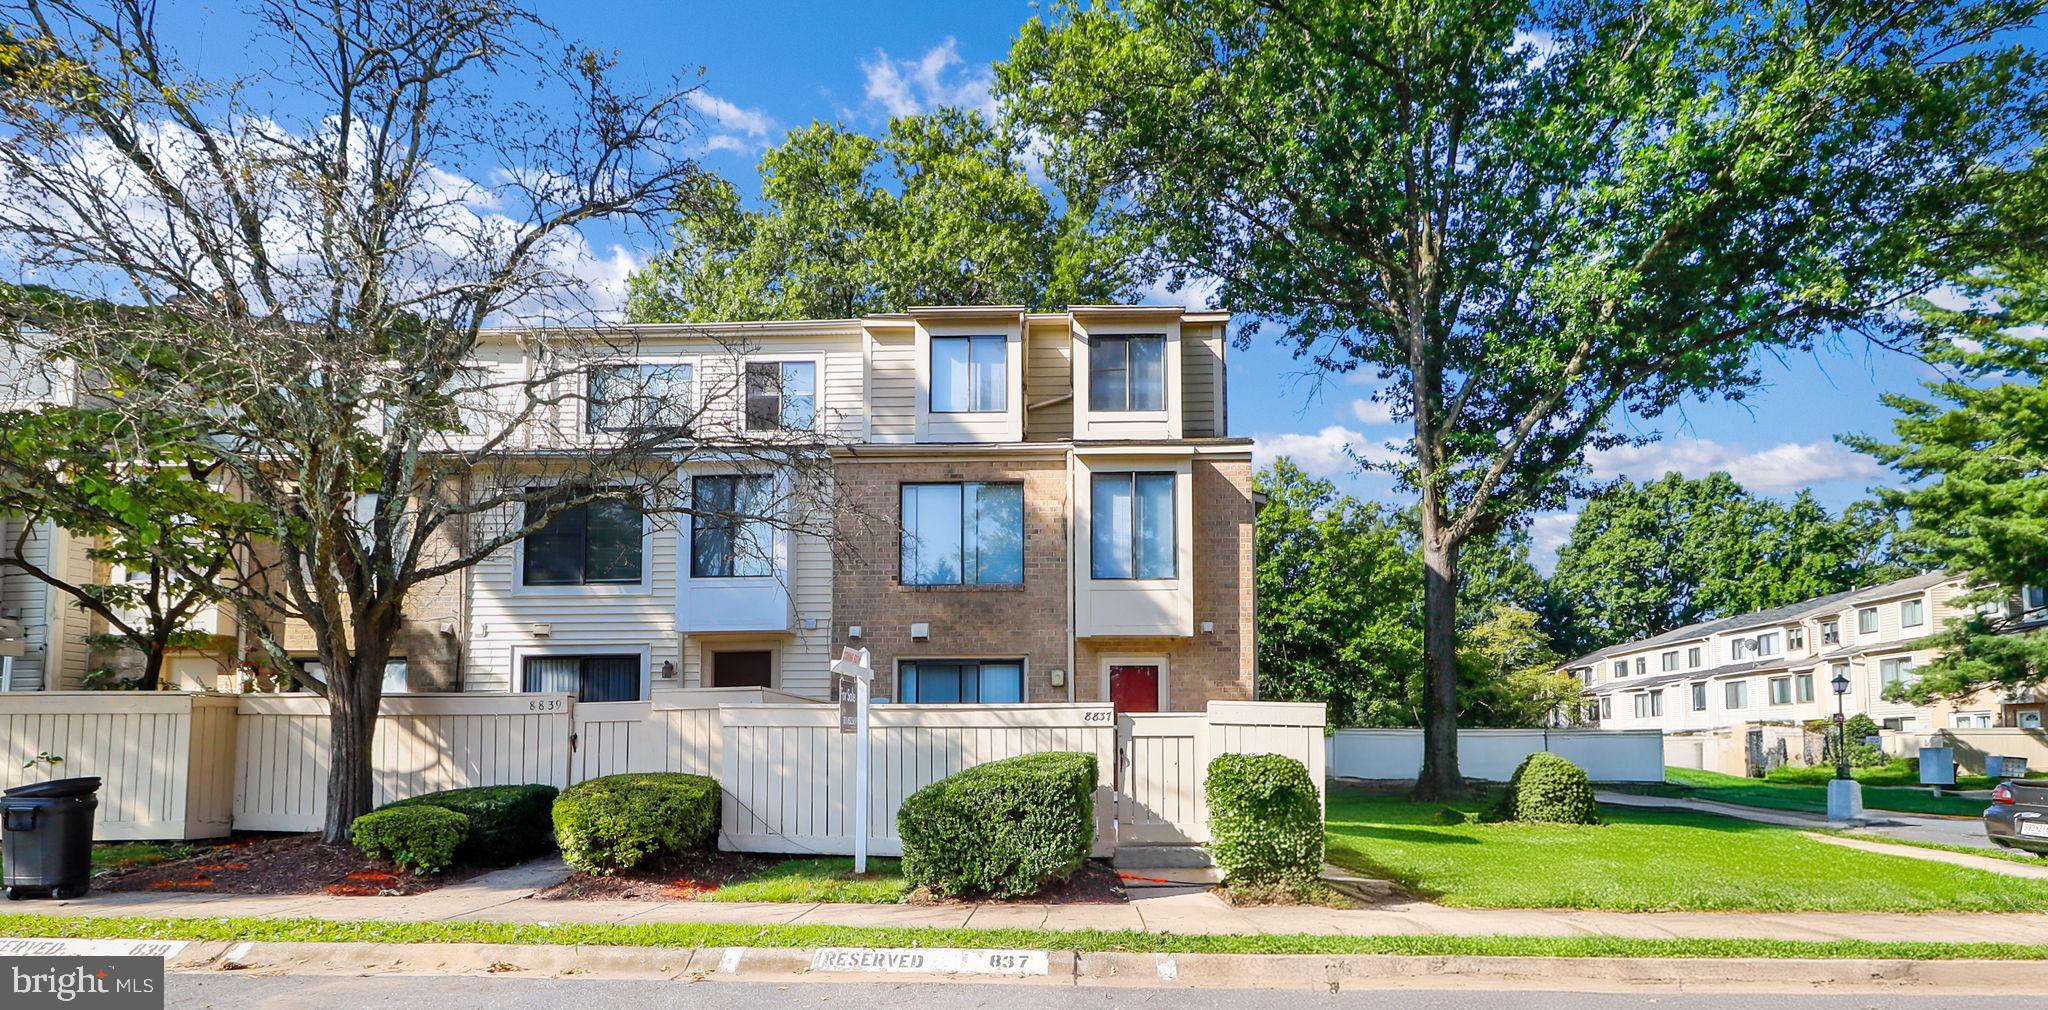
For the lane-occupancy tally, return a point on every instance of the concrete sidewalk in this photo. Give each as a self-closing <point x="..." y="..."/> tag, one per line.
<point x="507" y="896"/>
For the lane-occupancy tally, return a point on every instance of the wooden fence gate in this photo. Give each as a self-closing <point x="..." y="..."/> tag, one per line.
<point x="1163" y="759"/>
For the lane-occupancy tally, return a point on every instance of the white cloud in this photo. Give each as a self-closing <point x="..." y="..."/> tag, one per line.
<point x="1786" y="465"/>
<point x="1327" y="453"/>
<point x="937" y="78"/>
<point x="1198" y="293"/>
<point x="730" y="117"/>
<point x="1372" y="411"/>
<point x="1548" y="532"/>
<point x="727" y="142"/>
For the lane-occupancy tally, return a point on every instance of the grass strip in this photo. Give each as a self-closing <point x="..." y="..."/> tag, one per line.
<point x="2009" y="855"/>
<point x="729" y="935"/>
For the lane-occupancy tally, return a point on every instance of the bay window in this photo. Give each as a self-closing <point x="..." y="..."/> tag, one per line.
<point x="1133" y="535"/>
<point x="730" y="536"/>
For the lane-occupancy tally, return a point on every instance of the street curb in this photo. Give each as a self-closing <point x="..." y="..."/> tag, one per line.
<point x="1316" y="972"/>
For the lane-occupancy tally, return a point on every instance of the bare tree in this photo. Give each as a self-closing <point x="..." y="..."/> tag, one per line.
<point x="376" y="348"/>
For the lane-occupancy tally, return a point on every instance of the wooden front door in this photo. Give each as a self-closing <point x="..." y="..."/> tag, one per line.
<point x="1134" y="687"/>
<point x="742" y="669"/>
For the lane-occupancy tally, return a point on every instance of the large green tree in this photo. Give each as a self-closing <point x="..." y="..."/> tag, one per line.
<point x="1340" y="603"/>
<point x="1645" y="558"/>
<point x="940" y="210"/>
<point x="1531" y="218"/>
<point x="1974" y="453"/>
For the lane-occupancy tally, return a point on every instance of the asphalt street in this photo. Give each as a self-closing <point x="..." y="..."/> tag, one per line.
<point x="363" y="993"/>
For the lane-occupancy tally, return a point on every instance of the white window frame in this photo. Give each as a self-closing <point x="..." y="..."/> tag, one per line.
<point x="1006" y="425"/>
<point x="642" y="588"/>
<point x="817" y="363"/>
<point x="1668" y="661"/>
<point x="1694" y="655"/>
<point x="691" y="405"/>
<point x="1699" y="696"/>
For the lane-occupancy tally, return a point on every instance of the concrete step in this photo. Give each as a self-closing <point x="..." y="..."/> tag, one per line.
<point x="1159" y="857"/>
<point x="1170" y="876"/>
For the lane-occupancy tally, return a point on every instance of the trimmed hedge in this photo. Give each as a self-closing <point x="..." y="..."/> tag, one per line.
<point x="617" y="822"/>
<point x="507" y="824"/>
<point x="1003" y="829"/>
<point x="422" y="839"/>
<point x="1548" y="789"/>
<point x="1265" y="819"/>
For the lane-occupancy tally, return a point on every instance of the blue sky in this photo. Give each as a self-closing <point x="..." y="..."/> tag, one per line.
<point x="769" y="66"/>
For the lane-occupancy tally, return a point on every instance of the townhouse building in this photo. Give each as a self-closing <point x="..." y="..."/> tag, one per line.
<point x="1777" y="665"/>
<point x="1039" y="507"/>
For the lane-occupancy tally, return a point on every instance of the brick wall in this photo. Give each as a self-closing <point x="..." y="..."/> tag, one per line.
<point x="1216" y="666"/>
<point x="988" y="622"/>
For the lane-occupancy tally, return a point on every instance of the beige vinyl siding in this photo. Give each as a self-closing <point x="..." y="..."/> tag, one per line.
<point x="1201" y="379"/>
<point x="1048" y="377"/>
<point x="70" y="622"/>
<point x="28" y="600"/>
<point x="805" y="655"/>
<point x="892" y="385"/>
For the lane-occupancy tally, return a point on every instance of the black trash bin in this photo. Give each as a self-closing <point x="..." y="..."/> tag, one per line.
<point x="46" y="831"/>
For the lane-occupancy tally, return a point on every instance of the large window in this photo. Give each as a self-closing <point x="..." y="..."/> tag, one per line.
<point x="781" y="394"/>
<point x="970" y="374"/>
<point x="1127" y="373"/>
<point x="638" y="397"/>
<point x="961" y="682"/>
<point x="589" y="678"/>
<point x="1650" y="706"/>
<point x="597" y="543"/>
<point x="1133" y="536"/>
<point x="730" y="538"/>
<point x="1895" y="672"/>
<point x="963" y="534"/>
<point x="1912" y="614"/>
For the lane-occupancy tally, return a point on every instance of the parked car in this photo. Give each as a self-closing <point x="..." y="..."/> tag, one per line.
<point x="2018" y="816"/>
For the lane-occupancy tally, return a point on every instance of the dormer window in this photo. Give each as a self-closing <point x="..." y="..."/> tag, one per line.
<point x="970" y="375"/>
<point x="1127" y="373"/>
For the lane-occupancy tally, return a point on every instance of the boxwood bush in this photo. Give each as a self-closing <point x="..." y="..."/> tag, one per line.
<point x="618" y="821"/>
<point x="1548" y="789"/>
<point x="1265" y="819"/>
<point x="1002" y="829"/>
<point x="507" y="824"/>
<point x="422" y="839"/>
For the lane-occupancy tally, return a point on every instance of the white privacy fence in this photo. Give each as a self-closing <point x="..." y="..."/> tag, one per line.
<point x="181" y="765"/>
<point x="1629" y="755"/>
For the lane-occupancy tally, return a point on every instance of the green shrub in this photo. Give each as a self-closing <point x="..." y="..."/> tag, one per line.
<point x="1265" y="819"/>
<point x="507" y="824"/>
<point x="616" y="822"/>
<point x="422" y="839"/>
<point x="1549" y="789"/>
<point x="1861" y="755"/>
<point x="1003" y="829"/>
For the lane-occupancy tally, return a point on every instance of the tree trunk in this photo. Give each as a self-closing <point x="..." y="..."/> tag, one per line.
<point x="1439" y="779"/>
<point x="153" y="667"/>
<point x="355" y="687"/>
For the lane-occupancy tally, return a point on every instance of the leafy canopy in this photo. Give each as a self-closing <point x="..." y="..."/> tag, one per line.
<point x="940" y="210"/>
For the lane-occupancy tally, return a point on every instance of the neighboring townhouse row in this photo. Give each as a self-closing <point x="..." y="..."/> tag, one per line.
<point x="1778" y="665"/>
<point x="1053" y="511"/>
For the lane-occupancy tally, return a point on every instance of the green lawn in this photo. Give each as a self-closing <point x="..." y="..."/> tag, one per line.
<point x="683" y="934"/>
<point x="824" y="879"/>
<point x="108" y="856"/>
<point x="1641" y="860"/>
<point x="1807" y="798"/>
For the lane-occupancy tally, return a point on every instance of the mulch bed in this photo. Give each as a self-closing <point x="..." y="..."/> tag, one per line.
<point x="1093" y="884"/>
<point x="686" y="876"/>
<point x="278" y="864"/>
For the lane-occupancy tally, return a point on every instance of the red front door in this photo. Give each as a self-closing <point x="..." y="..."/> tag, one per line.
<point x="1134" y="688"/>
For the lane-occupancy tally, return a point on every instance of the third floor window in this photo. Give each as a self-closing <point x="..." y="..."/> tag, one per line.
<point x="963" y="535"/>
<point x="1127" y="373"/>
<point x="970" y="375"/>
<point x="1830" y="632"/>
<point x="781" y="394"/>
<point x="638" y="397"/>
<point x="1133" y="535"/>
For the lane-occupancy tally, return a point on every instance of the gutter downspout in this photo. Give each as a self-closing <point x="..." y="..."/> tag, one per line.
<point x="1073" y="674"/>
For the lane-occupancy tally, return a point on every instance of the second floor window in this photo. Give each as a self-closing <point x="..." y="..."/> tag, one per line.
<point x="1895" y="672"/>
<point x="1642" y="665"/>
<point x="1804" y="684"/>
<point x="730" y="537"/>
<point x="638" y="397"/>
<point x="1692" y="657"/>
<point x="1133" y="536"/>
<point x="596" y="543"/>
<point x="1866" y="621"/>
<point x="1795" y="638"/>
<point x="1127" y="373"/>
<point x="781" y="394"/>
<point x="1735" y="695"/>
<point x="970" y="375"/>
<point x="963" y="534"/>
<point x="1912" y="614"/>
<point x="1781" y="690"/>
<point x="1621" y="668"/>
<point x="1699" y="697"/>
<point x="1830" y="632"/>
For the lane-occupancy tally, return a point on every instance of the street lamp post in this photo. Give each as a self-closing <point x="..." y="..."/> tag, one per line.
<point x="1841" y="685"/>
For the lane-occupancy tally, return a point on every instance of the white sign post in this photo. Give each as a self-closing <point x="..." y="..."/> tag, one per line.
<point x="853" y="665"/>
